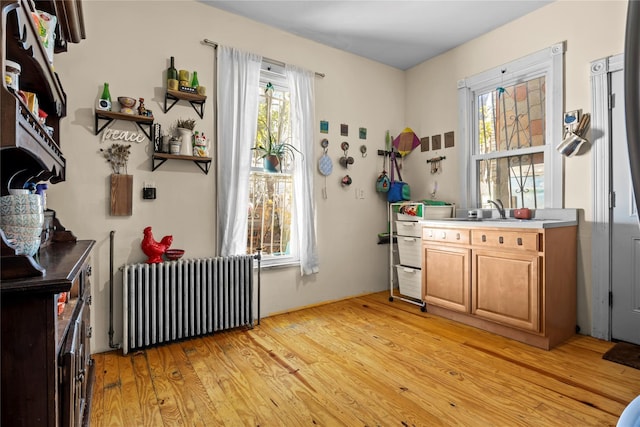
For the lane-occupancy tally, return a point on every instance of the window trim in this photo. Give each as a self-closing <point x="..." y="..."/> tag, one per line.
<point x="275" y="74"/>
<point x="548" y="62"/>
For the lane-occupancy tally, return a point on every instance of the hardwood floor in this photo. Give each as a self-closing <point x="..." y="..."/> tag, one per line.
<point x="361" y="362"/>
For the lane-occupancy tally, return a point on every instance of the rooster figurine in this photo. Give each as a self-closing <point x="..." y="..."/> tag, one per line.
<point x="153" y="249"/>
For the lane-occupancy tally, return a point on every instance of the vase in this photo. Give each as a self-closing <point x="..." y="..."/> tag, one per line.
<point x="186" y="135"/>
<point x="271" y="163"/>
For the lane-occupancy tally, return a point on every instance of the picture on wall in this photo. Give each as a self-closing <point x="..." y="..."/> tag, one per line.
<point x="435" y="142"/>
<point x="324" y="126"/>
<point x="362" y="133"/>
<point x="424" y="143"/>
<point x="344" y="130"/>
<point x="448" y="140"/>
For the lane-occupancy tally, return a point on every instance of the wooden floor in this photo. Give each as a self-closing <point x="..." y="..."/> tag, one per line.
<point x="361" y="362"/>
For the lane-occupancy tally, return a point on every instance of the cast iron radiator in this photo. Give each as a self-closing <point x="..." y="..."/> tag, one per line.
<point x="173" y="300"/>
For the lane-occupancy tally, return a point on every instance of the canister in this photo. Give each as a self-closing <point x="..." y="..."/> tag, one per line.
<point x="12" y="74"/>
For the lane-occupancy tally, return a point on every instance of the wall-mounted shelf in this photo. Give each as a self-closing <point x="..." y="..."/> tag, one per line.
<point x="109" y="116"/>
<point x="202" y="162"/>
<point x="196" y="101"/>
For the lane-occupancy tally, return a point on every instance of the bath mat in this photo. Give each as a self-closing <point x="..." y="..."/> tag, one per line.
<point x="624" y="353"/>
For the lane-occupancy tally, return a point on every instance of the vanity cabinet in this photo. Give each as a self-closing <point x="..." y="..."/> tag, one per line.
<point x="519" y="283"/>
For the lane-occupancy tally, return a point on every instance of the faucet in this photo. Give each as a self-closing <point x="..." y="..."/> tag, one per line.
<point x="498" y="204"/>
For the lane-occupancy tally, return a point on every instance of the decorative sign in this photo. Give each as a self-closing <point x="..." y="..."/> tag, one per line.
<point x="362" y="133"/>
<point x="122" y="135"/>
<point x="344" y="130"/>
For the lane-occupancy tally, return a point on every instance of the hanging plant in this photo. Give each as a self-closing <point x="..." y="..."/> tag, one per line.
<point x="117" y="155"/>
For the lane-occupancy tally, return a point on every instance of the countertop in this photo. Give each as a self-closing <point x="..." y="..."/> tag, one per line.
<point x="541" y="218"/>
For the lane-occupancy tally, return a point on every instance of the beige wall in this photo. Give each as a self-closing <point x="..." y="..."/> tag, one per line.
<point x="128" y="45"/>
<point x="355" y="91"/>
<point x="591" y="29"/>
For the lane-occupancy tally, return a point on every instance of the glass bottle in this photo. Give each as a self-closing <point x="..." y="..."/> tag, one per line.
<point x="172" y="73"/>
<point x="105" y="93"/>
<point x="194" y="80"/>
<point x="104" y="103"/>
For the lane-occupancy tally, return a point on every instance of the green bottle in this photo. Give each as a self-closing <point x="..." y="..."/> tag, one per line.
<point x="172" y="73"/>
<point x="194" y="80"/>
<point x="104" y="103"/>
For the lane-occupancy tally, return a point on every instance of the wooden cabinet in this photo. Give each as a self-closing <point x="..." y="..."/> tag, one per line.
<point x="47" y="370"/>
<point x="520" y="283"/>
<point x="446" y="268"/>
<point x="506" y="288"/>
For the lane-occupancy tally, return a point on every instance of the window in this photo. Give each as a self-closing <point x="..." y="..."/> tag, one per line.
<point x="512" y="118"/>
<point x="271" y="181"/>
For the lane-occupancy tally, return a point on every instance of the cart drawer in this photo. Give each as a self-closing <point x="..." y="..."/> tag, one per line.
<point x="410" y="249"/>
<point x="410" y="281"/>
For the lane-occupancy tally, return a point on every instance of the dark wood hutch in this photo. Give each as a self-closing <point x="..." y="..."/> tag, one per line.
<point x="46" y="366"/>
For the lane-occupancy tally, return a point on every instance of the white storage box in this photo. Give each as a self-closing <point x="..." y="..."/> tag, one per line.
<point x="410" y="249"/>
<point x="408" y="228"/>
<point x="426" y="212"/>
<point x="410" y="281"/>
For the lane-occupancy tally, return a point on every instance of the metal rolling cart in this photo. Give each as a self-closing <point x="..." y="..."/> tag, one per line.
<point x="403" y="223"/>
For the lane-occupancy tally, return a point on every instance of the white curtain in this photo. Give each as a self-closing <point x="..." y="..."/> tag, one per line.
<point x="301" y="88"/>
<point x="237" y="85"/>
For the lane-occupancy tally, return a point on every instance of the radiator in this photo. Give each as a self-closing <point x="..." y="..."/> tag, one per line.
<point x="174" y="300"/>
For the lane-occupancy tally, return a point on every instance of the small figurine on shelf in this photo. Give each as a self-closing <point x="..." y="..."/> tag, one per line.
<point x="141" y="110"/>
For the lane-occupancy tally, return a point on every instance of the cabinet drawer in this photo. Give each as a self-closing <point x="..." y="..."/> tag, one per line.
<point x="408" y="228"/>
<point x="449" y="235"/>
<point x="523" y="240"/>
<point x="410" y="249"/>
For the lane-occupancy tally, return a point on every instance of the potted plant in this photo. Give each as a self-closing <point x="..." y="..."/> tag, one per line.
<point x="274" y="153"/>
<point x="270" y="144"/>
<point x="184" y="128"/>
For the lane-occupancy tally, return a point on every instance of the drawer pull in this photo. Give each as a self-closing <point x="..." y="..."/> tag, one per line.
<point x="501" y="239"/>
<point x="409" y="239"/>
<point x="519" y="241"/>
<point x="457" y="236"/>
<point x="484" y="238"/>
<point x="444" y="235"/>
<point x="430" y="233"/>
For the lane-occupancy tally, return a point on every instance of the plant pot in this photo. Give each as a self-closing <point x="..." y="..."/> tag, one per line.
<point x="186" y="135"/>
<point x="270" y="163"/>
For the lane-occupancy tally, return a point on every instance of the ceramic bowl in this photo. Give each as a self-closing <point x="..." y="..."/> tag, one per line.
<point x="26" y="247"/>
<point x="21" y="233"/>
<point x="126" y="102"/>
<point x="23" y="220"/>
<point x="174" y="254"/>
<point x="20" y="204"/>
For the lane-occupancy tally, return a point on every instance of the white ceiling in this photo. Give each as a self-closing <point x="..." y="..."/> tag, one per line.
<point x="397" y="33"/>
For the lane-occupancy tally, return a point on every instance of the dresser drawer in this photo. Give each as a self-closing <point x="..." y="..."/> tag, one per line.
<point x="449" y="235"/>
<point x="523" y="240"/>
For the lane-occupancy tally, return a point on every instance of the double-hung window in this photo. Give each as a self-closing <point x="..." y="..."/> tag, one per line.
<point x="511" y="117"/>
<point x="271" y="221"/>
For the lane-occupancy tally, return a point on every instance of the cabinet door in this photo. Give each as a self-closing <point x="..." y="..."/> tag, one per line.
<point x="506" y="288"/>
<point x="446" y="277"/>
<point x="72" y="374"/>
